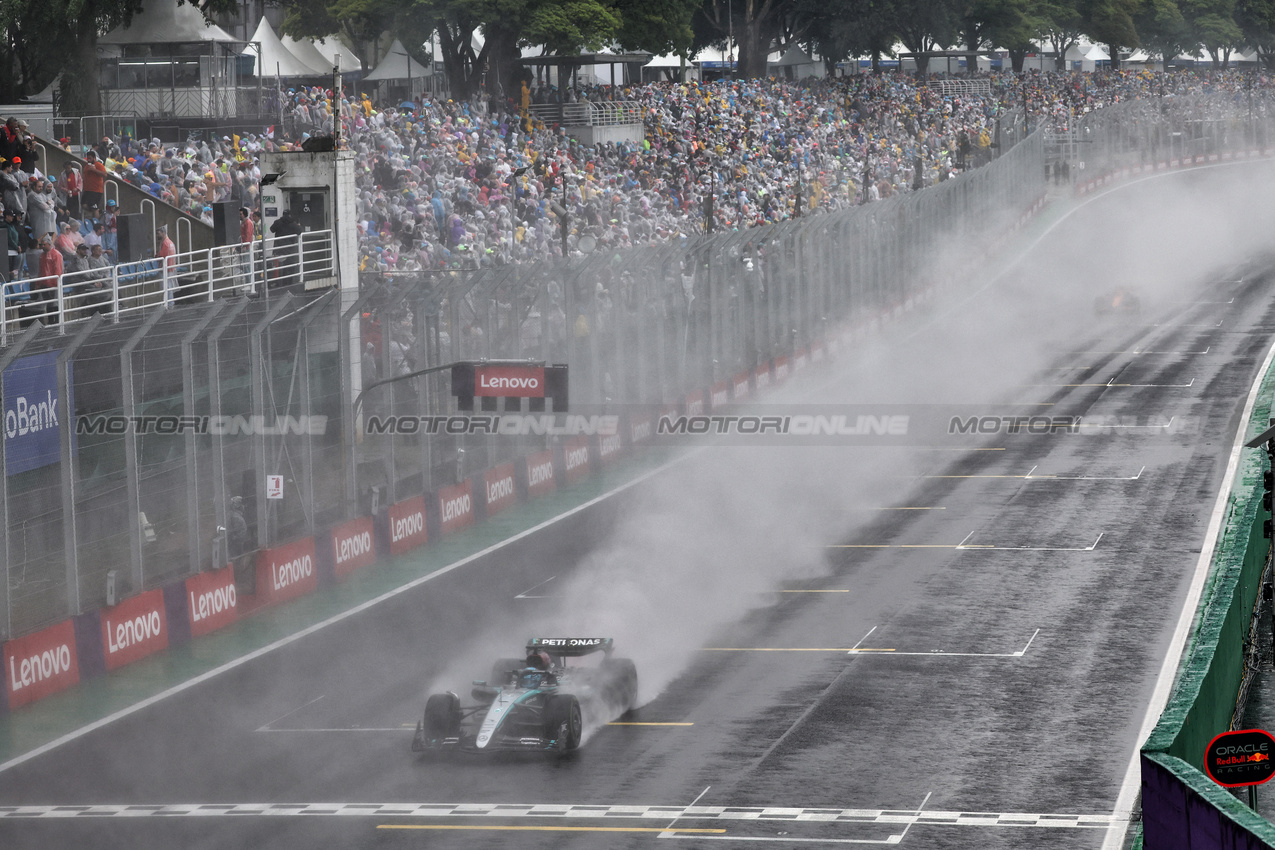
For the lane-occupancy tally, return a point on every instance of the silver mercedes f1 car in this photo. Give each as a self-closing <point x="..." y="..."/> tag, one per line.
<point x="535" y="703"/>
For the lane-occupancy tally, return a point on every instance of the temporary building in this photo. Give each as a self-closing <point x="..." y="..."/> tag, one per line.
<point x="277" y="59"/>
<point x="306" y="51"/>
<point x="330" y="47"/>
<point x="397" y="65"/>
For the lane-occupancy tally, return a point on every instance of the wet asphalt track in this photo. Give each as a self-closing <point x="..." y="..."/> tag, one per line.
<point x="1004" y="680"/>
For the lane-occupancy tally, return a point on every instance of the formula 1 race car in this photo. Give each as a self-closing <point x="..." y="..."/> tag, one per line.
<point x="532" y="703"/>
<point x="1118" y="301"/>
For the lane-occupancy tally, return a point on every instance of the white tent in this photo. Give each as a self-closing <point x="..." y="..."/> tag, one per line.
<point x="307" y="53"/>
<point x="397" y="65"/>
<point x="166" y="22"/>
<point x="329" y="48"/>
<point x="275" y="58"/>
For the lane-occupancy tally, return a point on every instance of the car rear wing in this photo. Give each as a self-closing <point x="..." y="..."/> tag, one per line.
<point x="570" y="647"/>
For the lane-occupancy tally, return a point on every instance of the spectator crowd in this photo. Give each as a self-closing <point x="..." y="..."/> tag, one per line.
<point x="462" y="184"/>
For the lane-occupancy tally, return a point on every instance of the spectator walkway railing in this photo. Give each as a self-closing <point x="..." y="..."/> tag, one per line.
<point x="978" y="86"/>
<point x="607" y="113"/>
<point x="191" y="277"/>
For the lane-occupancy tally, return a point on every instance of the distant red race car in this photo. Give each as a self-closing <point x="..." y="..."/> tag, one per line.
<point x="1119" y="301"/>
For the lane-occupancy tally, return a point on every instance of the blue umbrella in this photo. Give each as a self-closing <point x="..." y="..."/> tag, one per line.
<point x="407" y="104"/>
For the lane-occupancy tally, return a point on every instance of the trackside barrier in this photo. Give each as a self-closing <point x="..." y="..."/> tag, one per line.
<point x="353" y="546"/>
<point x="500" y="488"/>
<point x="1182" y="809"/>
<point x="212" y="601"/>
<point x="134" y="629"/>
<point x="282" y="573"/>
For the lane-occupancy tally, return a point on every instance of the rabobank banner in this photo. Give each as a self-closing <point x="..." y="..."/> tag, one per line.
<point x="31" y="427"/>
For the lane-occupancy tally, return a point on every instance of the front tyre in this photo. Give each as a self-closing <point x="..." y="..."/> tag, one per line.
<point x="564" y="723"/>
<point x="442" y="719"/>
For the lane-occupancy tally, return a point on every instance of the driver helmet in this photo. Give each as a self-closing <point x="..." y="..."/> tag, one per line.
<point x="539" y="660"/>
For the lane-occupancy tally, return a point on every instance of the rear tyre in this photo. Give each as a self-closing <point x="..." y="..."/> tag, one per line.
<point x="502" y="668"/>
<point x="563" y="722"/>
<point x="442" y="718"/>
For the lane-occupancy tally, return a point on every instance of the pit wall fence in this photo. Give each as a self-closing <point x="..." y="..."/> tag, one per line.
<point x="87" y="510"/>
<point x="1182" y="808"/>
<point x="137" y="518"/>
<point x="1141" y="137"/>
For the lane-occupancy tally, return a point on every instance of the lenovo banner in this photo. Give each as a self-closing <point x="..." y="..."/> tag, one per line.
<point x="540" y="475"/>
<point x="575" y="453"/>
<point x="741" y="385"/>
<point x="407" y="525"/>
<point x="763" y="376"/>
<point x="352" y="546"/>
<point x="800" y="361"/>
<point x="285" y="572"/>
<point x="781" y="369"/>
<point x="608" y="448"/>
<point x="41" y="664"/>
<point x="134" y="629"/>
<point x="499" y="486"/>
<point x="31" y="429"/>
<point x="511" y="381"/>
<point x="211" y="600"/>
<point x="640" y="429"/>
<point x="721" y="395"/>
<point x="456" y="506"/>
<point x="695" y="403"/>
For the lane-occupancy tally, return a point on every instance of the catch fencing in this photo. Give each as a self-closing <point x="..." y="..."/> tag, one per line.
<point x="151" y="421"/>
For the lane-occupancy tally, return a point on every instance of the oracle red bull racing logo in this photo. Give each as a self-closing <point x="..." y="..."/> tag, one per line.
<point x="1239" y="758"/>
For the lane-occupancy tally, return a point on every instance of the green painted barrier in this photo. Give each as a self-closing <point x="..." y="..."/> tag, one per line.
<point x="1181" y="806"/>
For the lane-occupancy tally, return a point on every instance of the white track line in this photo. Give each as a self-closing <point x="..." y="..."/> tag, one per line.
<point x="524" y="594"/>
<point x="336" y="618"/>
<point x="698" y="797"/>
<point x="1168" y="670"/>
<point x="565" y="811"/>
<point x="266" y="727"/>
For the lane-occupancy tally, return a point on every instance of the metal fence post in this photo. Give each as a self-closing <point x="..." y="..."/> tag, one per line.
<point x="70" y="471"/>
<point x="214" y="408"/>
<point x="194" y="544"/>
<point x="136" y="566"/>
<point x="349" y="357"/>
<point x="257" y="365"/>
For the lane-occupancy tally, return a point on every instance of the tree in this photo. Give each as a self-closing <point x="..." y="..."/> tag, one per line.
<point x="840" y="29"/>
<point x="1211" y="24"/>
<point x="1110" y="22"/>
<point x="924" y="26"/>
<point x="755" y="24"/>
<point x="1061" y="25"/>
<point x="660" y="26"/>
<point x="1163" y="31"/>
<point x="980" y="22"/>
<point x="1256" y="19"/>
